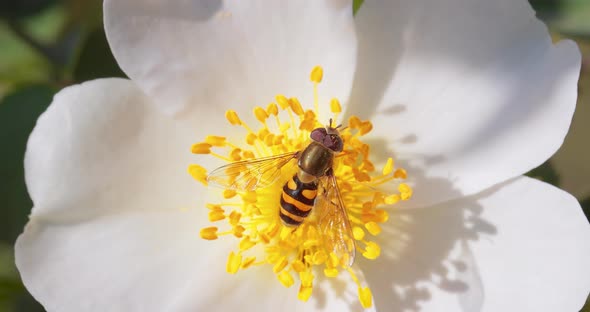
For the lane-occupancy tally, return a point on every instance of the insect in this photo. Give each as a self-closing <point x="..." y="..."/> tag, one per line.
<point x="312" y="187"/>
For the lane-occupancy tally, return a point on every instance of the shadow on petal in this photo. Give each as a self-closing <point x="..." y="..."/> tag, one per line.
<point x="425" y="252"/>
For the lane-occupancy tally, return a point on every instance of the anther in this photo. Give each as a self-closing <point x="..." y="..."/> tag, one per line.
<point x="373" y="228"/>
<point x="331" y="272"/>
<point x="400" y="174"/>
<point x="246" y="263"/>
<point x="209" y="233"/>
<point x="280" y="265"/>
<point x="246" y="243"/>
<point x="388" y="168"/>
<point x="317" y="74"/>
<point x="304" y="293"/>
<point x="272" y="109"/>
<point x="335" y="106"/>
<point x="235" y="154"/>
<point x="392" y="199"/>
<point x="232" y="117"/>
<point x="198" y="173"/>
<point x="233" y="263"/>
<point x="213" y="140"/>
<point x="260" y="114"/>
<point x="405" y="190"/>
<point x="365" y="297"/>
<point x="298" y="266"/>
<point x="201" y="148"/>
<point x="306" y="278"/>
<point x="365" y="127"/>
<point x="372" y="251"/>
<point x="354" y="122"/>
<point x="227" y="194"/>
<point x="296" y="106"/>
<point x="216" y="215"/>
<point x="358" y="233"/>
<point x="319" y="257"/>
<point x="286" y="279"/>
<point x="251" y="138"/>
<point x="283" y="101"/>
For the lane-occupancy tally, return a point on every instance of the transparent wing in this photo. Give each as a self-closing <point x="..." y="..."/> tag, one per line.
<point x="248" y="175"/>
<point x="333" y="221"/>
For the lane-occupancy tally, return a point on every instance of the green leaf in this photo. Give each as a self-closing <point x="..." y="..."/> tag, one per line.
<point x="356" y="5"/>
<point x="566" y="16"/>
<point x="586" y="307"/>
<point x="18" y="113"/>
<point x="10" y="284"/>
<point x="586" y="207"/>
<point x="545" y="172"/>
<point x="96" y="59"/>
<point x="29" y="47"/>
<point x="23" y="8"/>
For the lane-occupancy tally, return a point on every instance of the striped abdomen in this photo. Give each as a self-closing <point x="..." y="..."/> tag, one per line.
<point x="297" y="200"/>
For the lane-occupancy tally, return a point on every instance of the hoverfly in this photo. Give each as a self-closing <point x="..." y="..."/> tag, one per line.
<point x="313" y="187"/>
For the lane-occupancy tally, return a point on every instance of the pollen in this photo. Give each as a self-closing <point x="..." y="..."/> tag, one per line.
<point x="249" y="205"/>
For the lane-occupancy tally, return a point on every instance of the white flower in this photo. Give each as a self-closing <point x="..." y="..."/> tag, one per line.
<point x="467" y="95"/>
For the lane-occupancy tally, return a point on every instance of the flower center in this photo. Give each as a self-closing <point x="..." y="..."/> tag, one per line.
<point x="287" y="215"/>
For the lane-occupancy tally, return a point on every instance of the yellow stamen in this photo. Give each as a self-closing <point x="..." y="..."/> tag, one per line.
<point x="280" y="265"/>
<point x="248" y="262"/>
<point x="227" y="194"/>
<point x="392" y="199"/>
<point x="260" y="114"/>
<point x="201" y="148"/>
<point x="233" y="263"/>
<point x="252" y="217"/>
<point x="272" y="109"/>
<point x="283" y="101"/>
<point x="198" y="173"/>
<point x="400" y="174"/>
<point x="214" y="140"/>
<point x="296" y="106"/>
<point x="372" y="251"/>
<point x="246" y="243"/>
<point x="232" y="117"/>
<point x="306" y="278"/>
<point x="335" y="106"/>
<point x="304" y="293"/>
<point x="216" y="216"/>
<point x="358" y="233"/>
<point x="209" y="233"/>
<point x="405" y="190"/>
<point x="286" y="279"/>
<point x="317" y="74"/>
<point x="331" y="272"/>
<point x="373" y="228"/>
<point x="388" y="168"/>
<point x="365" y="297"/>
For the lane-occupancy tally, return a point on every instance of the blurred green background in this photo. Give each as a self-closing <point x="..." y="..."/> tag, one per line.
<point x="48" y="44"/>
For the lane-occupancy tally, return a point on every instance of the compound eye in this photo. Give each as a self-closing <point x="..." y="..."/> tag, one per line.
<point x="318" y="134"/>
<point x="337" y="144"/>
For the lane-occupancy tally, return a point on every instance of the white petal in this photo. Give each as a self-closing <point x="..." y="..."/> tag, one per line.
<point x="522" y="246"/>
<point x="466" y="93"/>
<point x="102" y="142"/>
<point x="191" y="55"/>
<point x="112" y="227"/>
<point x="335" y="294"/>
<point x="116" y="218"/>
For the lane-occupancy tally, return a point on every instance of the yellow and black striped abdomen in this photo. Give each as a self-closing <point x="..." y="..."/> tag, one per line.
<point x="297" y="200"/>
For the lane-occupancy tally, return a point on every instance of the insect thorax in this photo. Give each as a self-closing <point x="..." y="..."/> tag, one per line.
<point x="315" y="160"/>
